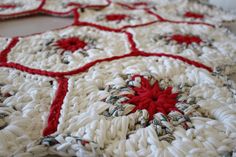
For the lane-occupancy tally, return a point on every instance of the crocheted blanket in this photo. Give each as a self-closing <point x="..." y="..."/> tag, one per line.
<point x="127" y="78"/>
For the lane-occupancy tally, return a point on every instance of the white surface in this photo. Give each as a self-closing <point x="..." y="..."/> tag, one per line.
<point x="32" y="24"/>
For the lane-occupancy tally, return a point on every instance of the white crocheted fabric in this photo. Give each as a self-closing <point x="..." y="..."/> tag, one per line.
<point x="192" y="11"/>
<point x="48" y="52"/>
<point x="13" y="8"/>
<point x="208" y="45"/>
<point x="128" y="17"/>
<point x="127" y="78"/>
<point x="25" y="103"/>
<point x="4" y="42"/>
<point x="63" y="6"/>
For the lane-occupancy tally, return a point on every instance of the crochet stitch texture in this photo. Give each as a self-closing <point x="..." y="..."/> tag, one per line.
<point x="127" y="78"/>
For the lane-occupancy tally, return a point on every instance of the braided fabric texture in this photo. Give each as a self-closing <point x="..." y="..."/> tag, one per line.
<point x="129" y="78"/>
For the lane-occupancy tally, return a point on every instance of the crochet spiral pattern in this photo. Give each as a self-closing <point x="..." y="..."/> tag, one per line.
<point x="127" y="78"/>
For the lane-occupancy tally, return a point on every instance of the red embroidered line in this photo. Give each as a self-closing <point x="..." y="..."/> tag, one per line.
<point x="139" y="25"/>
<point x="89" y="65"/>
<point x="55" y="108"/>
<point x="98" y="26"/>
<point x="133" y="6"/>
<point x="125" y="5"/>
<point x="188" y="61"/>
<point x="76" y="16"/>
<point x="49" y="12"/>
<point x="155" y="14"/>
<point x="31" y="70"/>
<point x="189" y="23"/>
<point x="41" y="5"/>
<point x="79" y="5"/>
<point x="7" y="6"/>
<point x="23" y="13"/>
<point x="131" y="42"/>
<point x="4" y="53"/>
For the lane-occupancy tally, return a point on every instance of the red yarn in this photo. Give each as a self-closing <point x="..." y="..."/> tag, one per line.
<point x="8" y="6"/>
<point x="71" y="44"/>
<point x="140" y="3"/>
<point x="89" y="65"/>
<point x="54" y="114"/>
<point x="152" y="98"/>
<point x="115" y="17"/>
<point x="160" y="100"/>
<point x="187" y="39"/>
<point x="4" y="53"/>
<point x="193" y="15"/>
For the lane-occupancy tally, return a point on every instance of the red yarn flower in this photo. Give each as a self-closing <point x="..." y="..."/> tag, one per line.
<point x="193" y="15"/>
<point x="187" y="39"/>
<point x="152" y="98"/>
<point x="7" y="6"/>
<point x="115" y="17"/>
<point x="71" y="44"/>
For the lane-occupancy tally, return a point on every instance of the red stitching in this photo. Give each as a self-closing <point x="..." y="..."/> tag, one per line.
<point x="131" y="42"/>
<point x="193" y="15"/>
<point x="88" y="65"/>
<point x="190" y="23"/>
<point x="8" y="6"/>
<point x="63" y="82"/>
<point x="54" y="115"/>
<point x="79" y="5"/>
<point x="152" y="98"/>
<point x="155" y="14"/>
<point x="187" y="39"/>
<point x="70" y="44"/>
<point x="23" y="13"/>
<point x="4" y="53"/>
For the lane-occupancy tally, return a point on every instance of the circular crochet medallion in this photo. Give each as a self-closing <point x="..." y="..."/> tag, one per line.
<point x="140" y="106"/>
<point x="71" y="44"/>
<point x="15" y="8"/>
<point x="68" y="48"/>
<point x="116" y="16"/>
<point x="184" y="10"/>
<point x="211" y="46"/>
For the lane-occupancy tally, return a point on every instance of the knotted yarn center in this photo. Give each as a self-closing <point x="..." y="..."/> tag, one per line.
<point x="71" y="44"/>
<point x="193" y="15"/>
<point x="115" y="17"/>
<point x="152" y="98"/>
<point x="187" y="39"/>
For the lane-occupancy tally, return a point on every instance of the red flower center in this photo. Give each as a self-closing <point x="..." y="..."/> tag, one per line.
<point x="152" y="98"/>
<point x="187" y="39"/>
<point x="193" y="15"/>
<point x="7" y="6"/>
<point x="71" y="44"/>
<point x="116" y="17"/>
